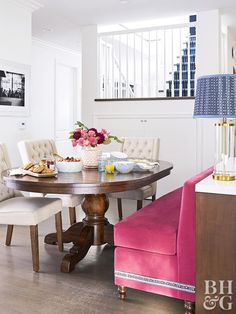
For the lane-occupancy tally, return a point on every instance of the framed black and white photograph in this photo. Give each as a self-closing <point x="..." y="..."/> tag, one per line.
<point x="234" y="53"/>
<point x="14" y="88"/>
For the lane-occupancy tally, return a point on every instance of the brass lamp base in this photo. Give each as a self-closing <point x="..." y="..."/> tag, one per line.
<point x="223" y="177"/>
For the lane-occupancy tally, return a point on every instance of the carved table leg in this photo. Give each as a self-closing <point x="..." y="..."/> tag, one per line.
<point x="68" y="236"/>
<point x="76" y="254"/>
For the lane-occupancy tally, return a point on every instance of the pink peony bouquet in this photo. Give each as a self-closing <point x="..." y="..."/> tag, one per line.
<point x="86" y="137"/>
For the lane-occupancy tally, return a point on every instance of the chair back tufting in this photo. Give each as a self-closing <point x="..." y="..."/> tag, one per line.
<point x="141" y="147"/>
<point x="5" y="192"/>
<point x="35" y="150"/>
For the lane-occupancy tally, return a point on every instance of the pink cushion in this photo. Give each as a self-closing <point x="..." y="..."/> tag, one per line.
<point x="153" y="228"/>
<point x="145" y="264"/>
<point x="151" y="266"/>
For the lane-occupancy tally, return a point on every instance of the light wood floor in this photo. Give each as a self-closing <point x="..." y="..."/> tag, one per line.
<point x="89" y="289"/>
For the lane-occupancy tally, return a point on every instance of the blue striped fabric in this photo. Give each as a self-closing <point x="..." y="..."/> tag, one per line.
<point x="215" y="96"/>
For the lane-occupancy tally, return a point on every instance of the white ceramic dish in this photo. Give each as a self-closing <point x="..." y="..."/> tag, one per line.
<point x="143" y="167"/>
<point x="69" y="166"/>
<point x="119" y="156"/>
<point x="39" y="175"/>
<point x="124" y="166"/>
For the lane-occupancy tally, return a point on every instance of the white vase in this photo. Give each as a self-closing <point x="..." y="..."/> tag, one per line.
<point x="90" y="157"/>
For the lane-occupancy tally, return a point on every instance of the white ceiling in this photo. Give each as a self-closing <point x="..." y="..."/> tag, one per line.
<point x="60" y="20"/>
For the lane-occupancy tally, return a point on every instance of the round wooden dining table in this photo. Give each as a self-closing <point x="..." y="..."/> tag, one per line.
<point x="95" y="228"/>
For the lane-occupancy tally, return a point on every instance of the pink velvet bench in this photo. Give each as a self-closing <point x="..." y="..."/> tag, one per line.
<point x="155" y="247"/>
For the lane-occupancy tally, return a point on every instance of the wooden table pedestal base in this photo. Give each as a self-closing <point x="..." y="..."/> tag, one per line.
<point x="93" y="230"/>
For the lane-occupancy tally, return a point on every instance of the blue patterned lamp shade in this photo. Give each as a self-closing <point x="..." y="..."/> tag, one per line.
<point x="216" y="96"/>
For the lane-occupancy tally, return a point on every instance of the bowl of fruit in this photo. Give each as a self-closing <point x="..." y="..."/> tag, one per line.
<point x="69" y="164"/>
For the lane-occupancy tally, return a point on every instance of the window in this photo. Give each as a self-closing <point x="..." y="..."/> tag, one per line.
<point x="148" y="62"/>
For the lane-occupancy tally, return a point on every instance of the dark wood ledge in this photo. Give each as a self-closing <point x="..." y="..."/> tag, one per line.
<point x="141" y="99"/>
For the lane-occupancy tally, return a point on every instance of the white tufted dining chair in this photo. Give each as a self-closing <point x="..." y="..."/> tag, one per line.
<point x="16" y="209"/>
<point x="34" y="151"/>
<point x="138" y="148"/>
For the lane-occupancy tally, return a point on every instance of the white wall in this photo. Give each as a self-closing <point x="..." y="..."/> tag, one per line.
<point x="231" y="42"/>
<point x="89" y="71"/>
<point x="15" y="36"/>
<point x="45" y="56"/>
<point x="15" y="32"/>
<point x="208" y="61"/>
<point x="188" y="143"/>
<point x="208" y="43"/>
<point x="16" y="46"/>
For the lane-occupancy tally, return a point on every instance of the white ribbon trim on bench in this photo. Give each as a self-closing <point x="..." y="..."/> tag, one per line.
<point x="156" y="281"/>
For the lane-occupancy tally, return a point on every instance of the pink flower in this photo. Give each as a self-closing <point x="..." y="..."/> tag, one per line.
<point x="103" y="131"/>
<point x="80" y="141"/>
<point x="105" y="134"/>
<point x="91" y="133"/>
<point x="86" y="143"/>
<point x="84" y="134"/>
<point x="74" y="142"/>
<point x="93" y="141"/>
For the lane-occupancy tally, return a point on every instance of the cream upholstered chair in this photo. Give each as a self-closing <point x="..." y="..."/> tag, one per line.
<point x="138" y="148"/>
<point x="34" y="151"/>
<point x="26" y="211"/>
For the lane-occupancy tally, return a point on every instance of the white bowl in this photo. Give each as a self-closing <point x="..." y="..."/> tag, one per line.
<point x="69" y="166"/>
<point x="118" y="156"/>
<point x="124" y="166"/>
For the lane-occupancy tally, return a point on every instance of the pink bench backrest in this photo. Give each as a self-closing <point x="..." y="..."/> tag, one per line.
<point x="186" y="230"/>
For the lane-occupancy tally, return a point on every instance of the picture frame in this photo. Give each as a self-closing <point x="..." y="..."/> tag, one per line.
<point x="234" y="53"/>
<point x="14" y="88"/>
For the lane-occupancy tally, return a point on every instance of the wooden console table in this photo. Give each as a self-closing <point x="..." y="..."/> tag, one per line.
<point x="216" y="247"/>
